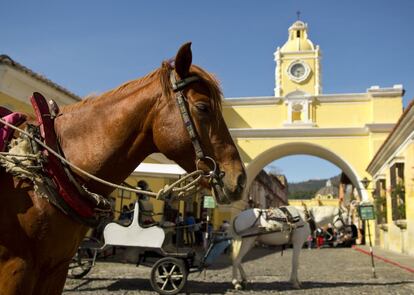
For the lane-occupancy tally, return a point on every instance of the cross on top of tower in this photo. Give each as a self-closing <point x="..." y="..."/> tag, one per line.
<point x="298" y="14"/>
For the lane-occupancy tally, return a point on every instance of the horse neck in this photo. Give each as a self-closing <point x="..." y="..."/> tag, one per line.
<point x="109" y="135"/>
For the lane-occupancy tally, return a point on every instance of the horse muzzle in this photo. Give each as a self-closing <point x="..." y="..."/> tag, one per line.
<point x="228" y="191"/>
<point x="226" y="186"/>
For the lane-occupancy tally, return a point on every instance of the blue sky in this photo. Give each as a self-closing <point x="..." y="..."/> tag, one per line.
<point x="93" y="46"/>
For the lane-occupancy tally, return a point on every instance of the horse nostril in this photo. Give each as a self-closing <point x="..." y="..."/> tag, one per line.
<point x="241" y="180"/>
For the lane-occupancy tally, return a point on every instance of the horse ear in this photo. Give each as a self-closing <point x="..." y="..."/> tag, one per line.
<point x="183" y="60"/>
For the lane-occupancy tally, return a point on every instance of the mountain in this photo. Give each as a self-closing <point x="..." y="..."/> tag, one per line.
<point x="307" y="189"/>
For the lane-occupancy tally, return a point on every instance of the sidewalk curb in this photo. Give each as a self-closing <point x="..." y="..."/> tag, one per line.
<point x="409" y="269"/>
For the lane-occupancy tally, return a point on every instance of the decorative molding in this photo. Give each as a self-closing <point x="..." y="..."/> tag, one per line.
<point x="296" y="132"/>
<point x="298" y="124"/>
<point x="379" y="177"/>
<point x="395" y="91"/>
<point x="401" y="223"/>
<point x="380" y="127"/>
<point x="311" y="52"/>
<point x="325" y="98"/>
<point x="263" y="100"/>
<point x="343" y="97"/>
<point x="383" y="226"/>
<point x="395" y="161"/>
<point x="401" y="136"/>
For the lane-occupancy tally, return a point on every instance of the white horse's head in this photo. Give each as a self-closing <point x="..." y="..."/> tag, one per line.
<point x="340" y="217"/>
<point x="324" y="215"/>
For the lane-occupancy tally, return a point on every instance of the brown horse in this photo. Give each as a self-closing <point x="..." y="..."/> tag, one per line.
<point x="108" y="136"/>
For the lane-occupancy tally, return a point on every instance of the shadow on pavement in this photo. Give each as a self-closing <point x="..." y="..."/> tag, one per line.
<point x="219" y="287"/>
<point x="222" y="261"/>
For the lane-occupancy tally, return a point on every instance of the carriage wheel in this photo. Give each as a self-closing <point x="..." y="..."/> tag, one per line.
<point x="169" y="276"/>
<point x="81" y="264"/>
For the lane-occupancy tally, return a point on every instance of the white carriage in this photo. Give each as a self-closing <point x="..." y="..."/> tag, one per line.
<point x="170" y="264"/>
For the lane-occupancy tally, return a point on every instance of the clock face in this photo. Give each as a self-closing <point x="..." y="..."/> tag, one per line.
<point x="297" y="70"/>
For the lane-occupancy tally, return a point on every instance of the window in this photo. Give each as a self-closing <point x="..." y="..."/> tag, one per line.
<point x="380" y="201"/>
<point x="297" y="112"/>
<point x="397" y="191"/>
<point x="298" y="34"/>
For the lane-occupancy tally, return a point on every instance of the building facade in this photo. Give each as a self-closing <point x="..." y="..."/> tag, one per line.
<point x="268" y="191"/>
<point x="392" y="186"/>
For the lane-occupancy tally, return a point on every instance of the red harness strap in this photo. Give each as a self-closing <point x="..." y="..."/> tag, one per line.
<point x="54" y="167"/>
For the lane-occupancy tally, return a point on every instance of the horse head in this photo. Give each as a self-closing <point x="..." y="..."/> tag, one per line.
<point x="190" y="128"/>
<point x="341" y="217"/>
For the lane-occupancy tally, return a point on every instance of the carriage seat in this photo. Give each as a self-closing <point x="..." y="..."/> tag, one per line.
<point x="133" y="235"/>
<point x="6" y="133"/>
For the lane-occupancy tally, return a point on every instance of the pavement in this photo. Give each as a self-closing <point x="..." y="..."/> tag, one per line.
<point x="322" y="271"/>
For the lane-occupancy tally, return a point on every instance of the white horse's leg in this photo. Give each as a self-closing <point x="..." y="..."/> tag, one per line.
<point x="240" y="249"/>
<point x="298" y="238"/>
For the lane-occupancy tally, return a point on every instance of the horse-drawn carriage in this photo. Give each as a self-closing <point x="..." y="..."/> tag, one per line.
<point x="170" y="264"/>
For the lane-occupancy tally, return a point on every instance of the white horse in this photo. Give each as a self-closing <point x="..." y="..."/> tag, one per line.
<point x="254" y="225"/>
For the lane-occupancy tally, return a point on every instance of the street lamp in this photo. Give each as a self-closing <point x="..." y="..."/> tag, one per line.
<point x="365" y="182"/>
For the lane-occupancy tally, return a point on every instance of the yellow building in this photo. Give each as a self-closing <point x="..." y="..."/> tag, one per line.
<point x="17" y="84"/>
<point x="392" y="170"/>
<point x="345" y="129"/>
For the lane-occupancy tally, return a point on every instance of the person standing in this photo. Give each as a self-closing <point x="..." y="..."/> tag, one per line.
<point x="179" y="222"/>
<point x="319" y="238"/>
<point x="224" y="227"/>
<point x="309" y="240"/>
<point x="198" y="234"/>
<point x="190" y="223"/>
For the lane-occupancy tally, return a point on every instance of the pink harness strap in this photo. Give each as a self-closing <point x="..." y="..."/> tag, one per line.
<point x="6" y="132"/>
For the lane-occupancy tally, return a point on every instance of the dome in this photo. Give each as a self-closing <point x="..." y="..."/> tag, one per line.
<point x="298" y="38"/>
<point x="327" y="192"/>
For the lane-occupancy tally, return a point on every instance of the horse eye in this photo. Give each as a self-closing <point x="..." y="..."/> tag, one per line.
<point x="202" y="107"/>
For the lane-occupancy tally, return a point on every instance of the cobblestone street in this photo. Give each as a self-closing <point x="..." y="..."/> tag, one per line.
<point x="327" y="271"/>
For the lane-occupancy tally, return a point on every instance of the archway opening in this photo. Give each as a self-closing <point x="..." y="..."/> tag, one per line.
<point x="257" y="165"/>
<point x="307" y="177"/>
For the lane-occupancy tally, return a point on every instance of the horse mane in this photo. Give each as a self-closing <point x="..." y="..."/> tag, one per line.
<point x="163" y="74"/>
<point x="208" y="79"/>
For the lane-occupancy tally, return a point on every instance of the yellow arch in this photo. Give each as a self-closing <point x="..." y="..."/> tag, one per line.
<point x="295" y="148"/>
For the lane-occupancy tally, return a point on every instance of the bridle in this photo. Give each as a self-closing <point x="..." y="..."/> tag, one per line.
<point x="338" y="218"/>
<point x="215" y="175"/>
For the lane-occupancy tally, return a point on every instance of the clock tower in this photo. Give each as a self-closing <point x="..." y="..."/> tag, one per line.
<point x="298" y="63"/>
<point x="297" y="75"/>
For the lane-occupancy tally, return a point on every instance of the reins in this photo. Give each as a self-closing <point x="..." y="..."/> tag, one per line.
<point x="338" y="218"/>
<point x="167" y="190"/>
